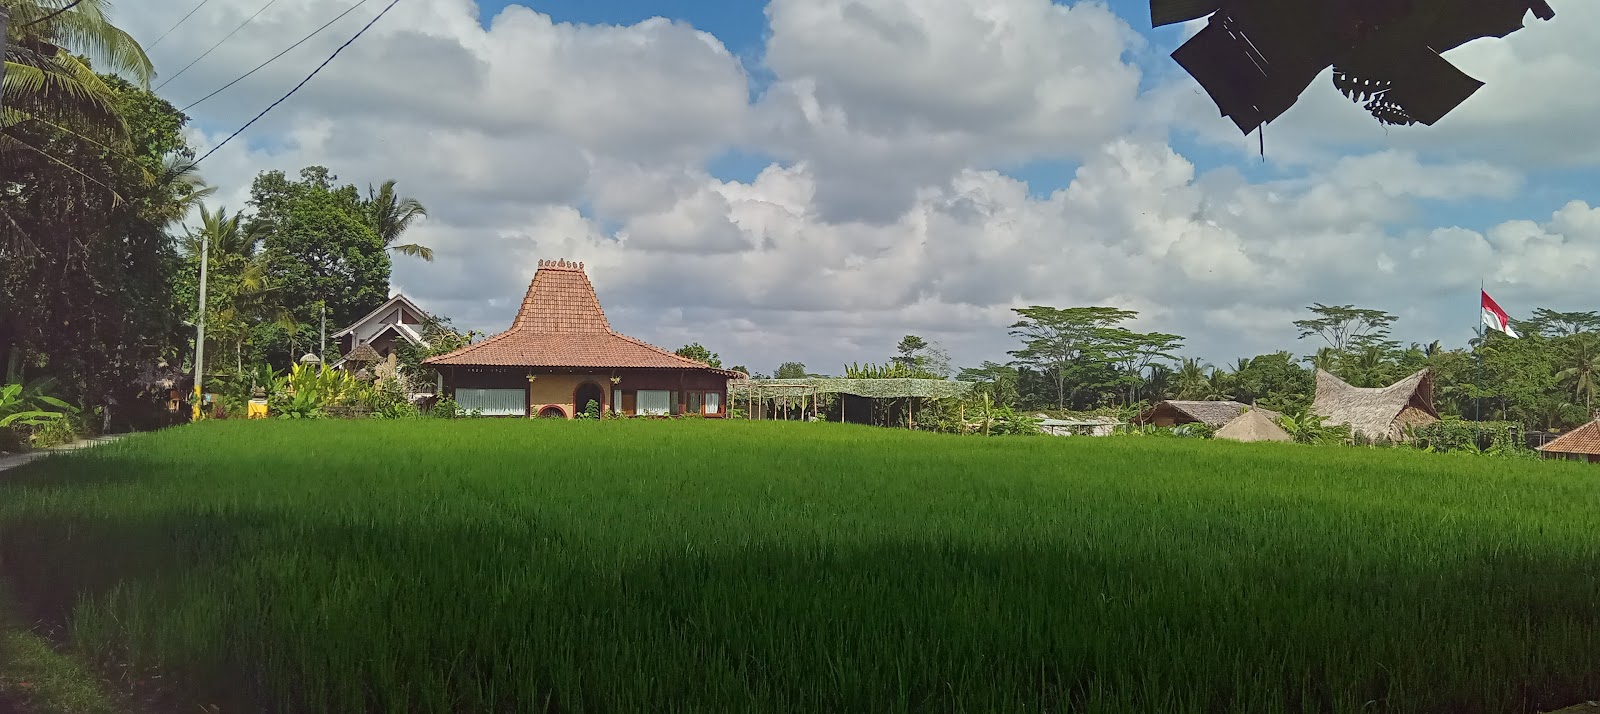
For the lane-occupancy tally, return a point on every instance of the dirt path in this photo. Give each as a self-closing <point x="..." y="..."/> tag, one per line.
<point x="12" y="461"/>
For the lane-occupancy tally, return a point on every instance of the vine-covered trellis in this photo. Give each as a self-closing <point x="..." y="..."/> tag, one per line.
<point x="777" y="398"/>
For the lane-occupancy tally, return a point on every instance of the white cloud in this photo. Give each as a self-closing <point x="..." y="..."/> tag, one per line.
<point x="889" y="213"/>
<point x="886" y="96"/>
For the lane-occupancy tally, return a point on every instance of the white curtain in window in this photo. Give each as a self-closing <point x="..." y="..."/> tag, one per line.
<point x="713" y="403"/>
<point x="494" y="402"/>
<point x="654" y="402"/>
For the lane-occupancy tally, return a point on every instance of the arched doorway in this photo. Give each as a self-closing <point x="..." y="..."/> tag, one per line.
<point x="586" y="392"/>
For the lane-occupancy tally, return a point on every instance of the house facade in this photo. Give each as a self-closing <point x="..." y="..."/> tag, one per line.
<point x="396" y="321"/>
<point x="560" y="353"/>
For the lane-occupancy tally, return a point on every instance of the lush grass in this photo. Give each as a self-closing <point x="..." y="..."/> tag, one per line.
<point x="40" y="679"/>
<point x="757" y="567"/>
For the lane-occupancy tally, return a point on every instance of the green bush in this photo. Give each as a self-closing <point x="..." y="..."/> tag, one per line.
<point x="1499" y="438"/>
<point x="446" y="408"/>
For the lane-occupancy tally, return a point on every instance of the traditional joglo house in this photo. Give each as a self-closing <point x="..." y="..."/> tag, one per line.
<point x="560" y="353"/>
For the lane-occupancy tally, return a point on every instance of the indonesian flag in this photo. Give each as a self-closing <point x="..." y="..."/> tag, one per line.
<point x="1495" y="318"/>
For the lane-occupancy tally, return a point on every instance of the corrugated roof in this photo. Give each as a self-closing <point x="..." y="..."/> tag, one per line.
<point x="561" y="324"/>
<point x="1582" y="440"/>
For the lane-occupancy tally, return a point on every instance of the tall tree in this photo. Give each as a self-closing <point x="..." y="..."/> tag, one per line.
<point x="1552" y="323"/>
<point x="923" y="357"/>
<point x="48" y="85"/>
<point x="391" y="216"/>
<point x="1193" y="379"/>
<point x="791" y="370"/>
<point x="700" y="354"/>
<point x="1055" y="338"/>
<point x="321" y="245"/>
<point x="1135" y="352"/>
<point x="1345" y="326"/>
<point x="86" y="263"/>
<point x="1580" y="367"/>
<point x="998" y="381"/>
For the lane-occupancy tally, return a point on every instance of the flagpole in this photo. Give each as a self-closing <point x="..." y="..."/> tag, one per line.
<point x="1483" y="335"/>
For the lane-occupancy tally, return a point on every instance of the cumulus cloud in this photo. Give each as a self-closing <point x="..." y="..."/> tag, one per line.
<point x="889" y="210"/>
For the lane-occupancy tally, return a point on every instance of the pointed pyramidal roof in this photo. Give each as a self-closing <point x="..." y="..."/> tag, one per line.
<point x="1253" y="425"/>
<point x="561" y="324"/>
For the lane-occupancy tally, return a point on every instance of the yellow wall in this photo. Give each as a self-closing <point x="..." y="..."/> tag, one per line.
<point x="557" y="389"/>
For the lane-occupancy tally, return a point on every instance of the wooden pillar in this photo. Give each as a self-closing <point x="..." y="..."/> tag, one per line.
<point x="961" y="410"/>
<point x="841" y="408"/>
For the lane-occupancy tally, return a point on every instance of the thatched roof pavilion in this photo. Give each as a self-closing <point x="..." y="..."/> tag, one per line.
<point x="1376" y="413"/>
<point x="1580" y="444"/>
<point x="1253" y="425"/>
<point x="1214" y="414"/>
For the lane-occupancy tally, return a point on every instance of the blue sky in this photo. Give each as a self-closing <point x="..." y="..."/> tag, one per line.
<point x="599" y="158"/>
<point x="741" y="26"/>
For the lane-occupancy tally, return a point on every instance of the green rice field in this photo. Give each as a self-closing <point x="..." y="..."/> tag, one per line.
<point x="526" y="566"/>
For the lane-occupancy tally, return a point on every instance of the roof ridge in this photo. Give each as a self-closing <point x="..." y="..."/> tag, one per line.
<point x="663" y="351"/>
<point x="1589" y="431"/>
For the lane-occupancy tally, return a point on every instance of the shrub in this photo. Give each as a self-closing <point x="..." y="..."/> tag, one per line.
<point x="446" y="408"/>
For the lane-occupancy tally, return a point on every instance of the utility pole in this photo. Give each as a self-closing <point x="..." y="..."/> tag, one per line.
<point x="5" y="20"/>
<point x="200" y="333"/>
<point x="322" y="352"/>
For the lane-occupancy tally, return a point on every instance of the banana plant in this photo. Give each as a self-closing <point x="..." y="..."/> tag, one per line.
<point x="27" y="405"/>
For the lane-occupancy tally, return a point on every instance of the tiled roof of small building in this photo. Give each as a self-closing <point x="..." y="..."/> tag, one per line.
<point x="561" y="324"/>
<point x="1582" y="440"/>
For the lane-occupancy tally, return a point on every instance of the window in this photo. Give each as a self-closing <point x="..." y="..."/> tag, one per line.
<point x="654" y="402"/>
<point x="694" y="402"/>
<point x="713" y="403"/>
<point x="616" y="401"/>
<point x="494" y="402"/>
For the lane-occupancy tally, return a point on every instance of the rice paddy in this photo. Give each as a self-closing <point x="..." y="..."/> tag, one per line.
<point x="523" y="566"/>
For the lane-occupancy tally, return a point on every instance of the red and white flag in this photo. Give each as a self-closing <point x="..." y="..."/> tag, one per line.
<point x="1495" y="318"/>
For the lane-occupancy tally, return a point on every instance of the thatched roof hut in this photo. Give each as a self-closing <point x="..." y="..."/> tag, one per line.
<point x="1376" y="413"/>
<point x="1253" y="425"/>
<point x="1580" y="444"/>
<point x="1212" y="414"/>
<point x="363" y="354"/>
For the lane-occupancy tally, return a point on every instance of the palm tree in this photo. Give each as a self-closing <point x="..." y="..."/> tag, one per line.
<point x="1326" y="359"/>
<point x="391" y="215"/>
<point x="227" y="235"/>
<point x="233" y="247"/>
<point x="47" y="82"/>
<point x="1583" y="369"/>
<point x="1191" y="380"/>
<point x="1217" y="385"/>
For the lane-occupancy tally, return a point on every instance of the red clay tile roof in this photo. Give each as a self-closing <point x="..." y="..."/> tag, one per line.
<point x="561" y="324"/>
<point x="1582" y="440"/>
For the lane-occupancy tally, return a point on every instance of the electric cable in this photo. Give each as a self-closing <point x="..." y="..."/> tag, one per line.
<point x="215" y="46"/>
<point x="302" y="83"/>
<point x="274" y="58"/>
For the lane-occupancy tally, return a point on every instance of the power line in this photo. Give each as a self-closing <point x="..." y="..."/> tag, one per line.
<point x="215" y="46"/>
<point x="180" y="22"/>
<point x="275" y="57"/>
<point x="51" y="16"/>
<point x="302" y="83"/>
